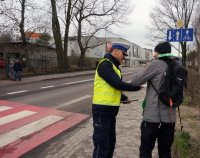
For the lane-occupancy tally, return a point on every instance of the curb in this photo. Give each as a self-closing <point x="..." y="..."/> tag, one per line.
<point x="43" y="78"/>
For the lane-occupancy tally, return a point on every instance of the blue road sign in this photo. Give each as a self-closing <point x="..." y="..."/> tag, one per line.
<point x="180" y="35"/>
<point x="187" y="34"/>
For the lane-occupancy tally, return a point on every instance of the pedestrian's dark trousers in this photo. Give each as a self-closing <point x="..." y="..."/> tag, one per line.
<point x="162" y="132"/>
<point x="104" y="136"/>
<point x="18" y="75"/>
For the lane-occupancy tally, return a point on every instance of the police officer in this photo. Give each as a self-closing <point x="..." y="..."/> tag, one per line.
<point x="108" y="86"/>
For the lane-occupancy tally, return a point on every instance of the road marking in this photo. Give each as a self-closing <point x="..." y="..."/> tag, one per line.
<point x="129" y="81"/>
<point x="69" y="83"/>
<point x="127" y="73"/>
<point x="144" y="85"/>
<point x="72" y="102"/>
<point x="4" y="108"/>
<point x="16" y="116"/>
<point x="17" y="92"/>
<point x="47" y="87"/>
<point x="16" y="134"/>
<point x="20" y="136"/>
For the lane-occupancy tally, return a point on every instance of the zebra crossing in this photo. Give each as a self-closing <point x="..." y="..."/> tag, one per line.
<point x="24" y="127"/>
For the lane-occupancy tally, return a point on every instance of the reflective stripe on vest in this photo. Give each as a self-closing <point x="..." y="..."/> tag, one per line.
<point x="104" y="94"/>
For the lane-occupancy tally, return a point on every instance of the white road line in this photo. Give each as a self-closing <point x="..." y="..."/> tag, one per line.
<point x="72" y="102"/>
<point x="47" y="87"/>
<point x="16" y="116"/>
<point x="129" y="81"/>
<point x="144" y="85"/>
<point x="4" y="108"/>
<point x="69" y="83"/>
<point x="17" y="92"/>
<point x="26" y="130"/>
<point x="127" y="73"/>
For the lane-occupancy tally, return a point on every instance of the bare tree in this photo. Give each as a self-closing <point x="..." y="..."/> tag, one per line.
<point x="21" y="24"/>
<point x="21" y="16"/>
<point x="92" y="16"/>
<point x="6" y="37"/>
<point x="57" y="36"/>
<point x="10" y="10"/>
<point x="62" y="46"/>
<point x="165" y="16"/>
<point x="196" y="26"/>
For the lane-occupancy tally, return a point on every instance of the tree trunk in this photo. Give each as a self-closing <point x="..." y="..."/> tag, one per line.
<point x="21" y="25"/>
<point x="67" y="31"/>
<point x="81" y="62"/>
<point x="57" y="37"/>
<point x="198" y="56"/>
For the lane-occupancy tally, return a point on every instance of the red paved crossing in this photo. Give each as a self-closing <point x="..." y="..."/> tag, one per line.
<point x="23" y="127"/>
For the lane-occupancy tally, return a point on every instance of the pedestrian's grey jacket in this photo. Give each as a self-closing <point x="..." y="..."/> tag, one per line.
<point x="154" y="110"/>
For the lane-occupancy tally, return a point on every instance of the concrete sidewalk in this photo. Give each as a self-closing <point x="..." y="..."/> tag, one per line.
<point x="31" y="79"/>
<point x="78" y="143"/>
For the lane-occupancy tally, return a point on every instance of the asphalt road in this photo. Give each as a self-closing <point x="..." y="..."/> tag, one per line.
<point x="72" y="94"/>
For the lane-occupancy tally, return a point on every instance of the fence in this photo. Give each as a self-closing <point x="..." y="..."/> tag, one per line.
<point x="33" y="67"/>
<point x="41" y="65"/>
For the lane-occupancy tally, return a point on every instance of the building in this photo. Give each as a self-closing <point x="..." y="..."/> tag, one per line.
<point x="146" y="55"/>
<point x="99" y="46"/>
<point x="34" y="57"/>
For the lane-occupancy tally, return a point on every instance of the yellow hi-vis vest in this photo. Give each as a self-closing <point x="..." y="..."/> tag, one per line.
<point x="104" y="94"/>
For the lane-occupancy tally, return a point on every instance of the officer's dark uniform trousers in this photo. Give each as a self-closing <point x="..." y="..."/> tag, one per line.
<point x="104" y="136"/>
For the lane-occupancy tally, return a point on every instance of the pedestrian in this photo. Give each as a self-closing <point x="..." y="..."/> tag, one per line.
<point x="108" y="87"/>
<point x="18" y="70"/>
<point x="158" y="119"/>
<point x="2" y="62"/>
<point x="11" y="71"/>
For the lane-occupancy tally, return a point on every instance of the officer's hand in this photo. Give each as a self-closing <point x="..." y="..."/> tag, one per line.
<point x="127" y="101"/>
<point x="141" y="87"/>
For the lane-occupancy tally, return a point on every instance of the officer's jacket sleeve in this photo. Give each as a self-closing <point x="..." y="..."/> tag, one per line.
<point x="106" y="71"/>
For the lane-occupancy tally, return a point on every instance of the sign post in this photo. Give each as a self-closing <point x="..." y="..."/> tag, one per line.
<point x="179" y="24"/>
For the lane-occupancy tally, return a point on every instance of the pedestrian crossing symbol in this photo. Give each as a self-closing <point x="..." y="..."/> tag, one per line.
<point x="180" y="35"/>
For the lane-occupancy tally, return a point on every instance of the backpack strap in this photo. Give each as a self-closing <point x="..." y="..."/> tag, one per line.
<point x="154" y="88"/>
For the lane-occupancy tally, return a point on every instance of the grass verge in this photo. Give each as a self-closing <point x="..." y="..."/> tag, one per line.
<point x="181" y="144"/>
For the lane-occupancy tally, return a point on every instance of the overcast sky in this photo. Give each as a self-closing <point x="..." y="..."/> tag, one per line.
<point x="137" y="31"/>
<point x="140" y="19"/>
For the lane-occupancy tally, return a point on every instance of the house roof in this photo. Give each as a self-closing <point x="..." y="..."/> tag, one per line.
<point x="33" y="35"/>
<point x="21" y="44"/>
